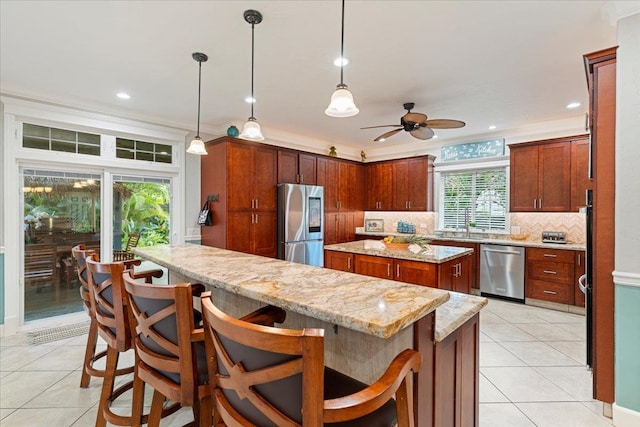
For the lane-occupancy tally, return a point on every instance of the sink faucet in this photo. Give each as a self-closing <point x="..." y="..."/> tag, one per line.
<point x="466" y="222"/>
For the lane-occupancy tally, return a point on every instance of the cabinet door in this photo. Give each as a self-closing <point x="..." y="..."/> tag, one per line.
<point x="239" y="231"/>
<point x="461" y="278"/>
<point x="400" y="183"/>
<point x="240" y="167"/>
<point x="554" y="185"/>
<point x="379" y="186"/>
<point x="418" y="273"/>
<point x="342" y="261"/>
<point x="330" y="228"/>
<point x="474" y="259"/>
<point x="524" y="179"/>
<point x="327" y="176"/>
<point x="264" y="234"/>
<point x="419" y="184"/>
<point x="346" y="186"/>
<point x="374" y="266"/>
<point x="446" y="273"/>
<point x="287" y="167"/>
<point x="265" y="176"/>
<point x="307" y="169"/>
<point x="580" y="181"/>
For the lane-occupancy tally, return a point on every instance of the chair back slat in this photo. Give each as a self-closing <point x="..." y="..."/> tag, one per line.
<point x="162" y="324"/>
<point x="105" y="281"/>
<point x="40" y="264"/>
<point x="262" y="373"/>
<point x="80" y="253"/>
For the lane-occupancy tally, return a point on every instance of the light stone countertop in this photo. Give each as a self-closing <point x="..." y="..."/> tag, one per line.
<point x="432" y="254"/>
<point x="452" y="314"/>
<point x="531" y="242"/>
<point x="370" y="305"/>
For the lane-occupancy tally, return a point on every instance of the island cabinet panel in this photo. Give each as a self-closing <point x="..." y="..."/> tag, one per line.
<point x="374" y="266"/>
<point x="454" y="275"/>
<point x="418" y="273"/>
<point x="239" y="177"/>
<point x="474" y="259"/>
<point x="342" y="261"/>
<point x="549" y="175"/>
<point x="456" y="377"/>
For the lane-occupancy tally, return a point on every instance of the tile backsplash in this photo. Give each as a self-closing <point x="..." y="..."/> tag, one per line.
<point x="530" y="223"/>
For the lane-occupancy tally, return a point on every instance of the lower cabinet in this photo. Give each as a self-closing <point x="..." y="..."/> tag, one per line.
<point x="550" y="275"/>
<point x="342" y="261"/>
<point x="474" y="259"/>
<point x="339" y="227"/>
<point x="252" y="232"/>
<point x="455" y="275"/>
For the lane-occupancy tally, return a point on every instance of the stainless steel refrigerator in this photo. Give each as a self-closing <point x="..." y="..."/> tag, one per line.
<point x="301" y="224"/>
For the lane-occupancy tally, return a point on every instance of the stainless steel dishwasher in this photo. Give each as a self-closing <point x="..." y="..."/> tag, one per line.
<point x="502" y="271"/>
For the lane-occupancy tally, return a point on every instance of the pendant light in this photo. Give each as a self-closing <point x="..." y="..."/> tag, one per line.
<point x="251" y="129"/>
<point x="197" y="146"/>
<point x="342" y="104"/>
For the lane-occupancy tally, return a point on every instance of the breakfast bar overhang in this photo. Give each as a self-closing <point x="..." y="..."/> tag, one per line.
<point x="367" y="321"/>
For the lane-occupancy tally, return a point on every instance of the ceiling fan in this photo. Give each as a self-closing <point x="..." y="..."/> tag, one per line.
<point x="417" y="125"/>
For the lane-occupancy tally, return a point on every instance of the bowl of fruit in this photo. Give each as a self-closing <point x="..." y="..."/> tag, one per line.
<point x="403" y="242"/>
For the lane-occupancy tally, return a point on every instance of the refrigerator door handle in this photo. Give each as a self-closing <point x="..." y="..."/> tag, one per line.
<point x="582" y="283"/>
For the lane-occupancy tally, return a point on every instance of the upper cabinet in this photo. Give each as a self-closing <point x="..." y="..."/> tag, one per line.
<point x="401" y="185"/>
<point x="541" y="175"/>
<point x="580" y="181"/>
<point x="343" y="183"/>
<point x="295" y="167"/>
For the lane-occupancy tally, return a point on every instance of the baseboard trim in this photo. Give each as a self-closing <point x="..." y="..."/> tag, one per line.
<point x="623" y="417"/>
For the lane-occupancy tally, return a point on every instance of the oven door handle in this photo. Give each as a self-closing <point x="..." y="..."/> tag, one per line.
<point x="582" y="283"/>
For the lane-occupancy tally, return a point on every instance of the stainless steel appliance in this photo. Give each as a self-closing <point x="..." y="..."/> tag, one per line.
<point x="301" y="224"/>
<point x="554" y="237"/>
<point x="502" y="272"/>
<point x="585" y="282"/>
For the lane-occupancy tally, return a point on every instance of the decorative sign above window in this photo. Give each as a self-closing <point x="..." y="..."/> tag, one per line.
<point x="473" y="150"/>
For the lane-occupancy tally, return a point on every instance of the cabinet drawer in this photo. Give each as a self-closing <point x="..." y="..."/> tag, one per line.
<point x="548" y="291"/>
<point x="559" y="272"/>
<point x="557" y="255"/>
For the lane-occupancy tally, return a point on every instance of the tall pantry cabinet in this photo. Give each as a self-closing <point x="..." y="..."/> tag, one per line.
<point x="239" y="179"/>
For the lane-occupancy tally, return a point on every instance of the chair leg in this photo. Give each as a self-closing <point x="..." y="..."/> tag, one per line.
<point x="205" y="417"/>
<point x="107" y="385"/>
<point x="137" y="405"/>
<point x="156" y="409"/>
<point x="89" y="353"/>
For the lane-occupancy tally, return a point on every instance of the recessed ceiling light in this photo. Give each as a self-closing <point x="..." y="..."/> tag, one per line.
<point x="123" y="95"/>
<point x="250" y="100"/>
<point x="492" y="127"/>
<point x="573" y="105"/>
<point x="340" y="62"/>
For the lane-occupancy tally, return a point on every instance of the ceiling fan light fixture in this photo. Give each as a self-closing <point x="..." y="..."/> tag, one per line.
<point x="197" y="147"/>
<point x="251" y="130"/>
<point x="342" y="104"/>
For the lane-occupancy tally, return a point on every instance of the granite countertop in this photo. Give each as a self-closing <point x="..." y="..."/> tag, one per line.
<point x="452" y="314"/>
<point x="432" y="254"/>
<point x="531" y="242"/>
<point x="370" y="305"/>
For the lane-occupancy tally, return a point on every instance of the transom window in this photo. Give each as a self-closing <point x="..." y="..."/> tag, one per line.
<point x="54" y="139"/>
<point x="141" y="150"/>
<point x="476" y="196"/>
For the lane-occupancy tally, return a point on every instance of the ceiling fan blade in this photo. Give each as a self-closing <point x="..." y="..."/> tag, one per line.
<point x="387" y="135"/>
<point x="381" y="126"/>
<point x="415" y="117"/>
<point x="445" y="124"/>
<point x="422" y="133"/>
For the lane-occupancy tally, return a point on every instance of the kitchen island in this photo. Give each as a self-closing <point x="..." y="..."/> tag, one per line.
<point x="442" y="267"/>
<point x="367" y="320"/>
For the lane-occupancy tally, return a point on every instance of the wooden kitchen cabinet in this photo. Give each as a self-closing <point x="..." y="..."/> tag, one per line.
<point x="580" y="181"/>
<point x="541" y="176"/>
<point x="418" y="273"/>
<point x="327" y="176"/>
<point x="339" y="227"/>
<point x="474" y="259"/>
<point x="342" y="261"/>
<point x="550" y="275"/>
<point x="239" y="177"/>
<point x="374" y="266"/>
<point x="412" y="183"/>
<point x="379" y="186"/>
<point x="454" y="275"/>
<point x="295" y="167"/>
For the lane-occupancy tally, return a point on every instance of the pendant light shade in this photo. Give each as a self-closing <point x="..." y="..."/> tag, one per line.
<point x="251" y="129"/>
<point x="342" y="104"/>
<point x="197" y="146"/>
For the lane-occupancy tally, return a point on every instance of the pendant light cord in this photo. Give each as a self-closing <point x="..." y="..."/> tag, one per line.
<point x="253" y="100"/>
<point x="342" y="47"/>
<point x="199" y="88"/>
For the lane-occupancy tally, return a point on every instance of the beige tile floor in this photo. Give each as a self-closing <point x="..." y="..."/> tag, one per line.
<point x="531" y="366"/>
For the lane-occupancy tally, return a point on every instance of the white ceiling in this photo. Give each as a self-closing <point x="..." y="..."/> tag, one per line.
<point x="504" y="63"/>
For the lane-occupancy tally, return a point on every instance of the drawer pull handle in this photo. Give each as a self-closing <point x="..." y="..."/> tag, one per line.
<point x="550" y="272"/>
<point x="550" y="292"/>
<point x="551" y="255"/>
